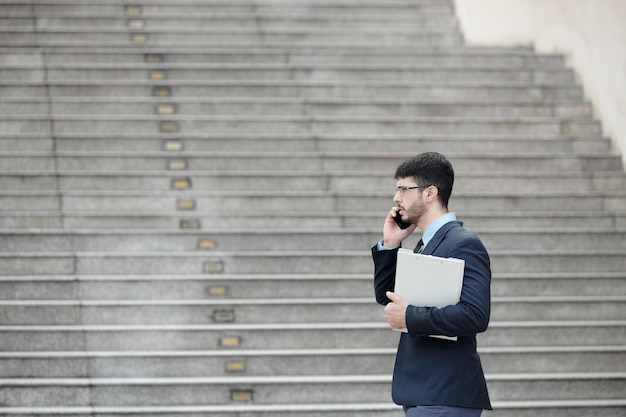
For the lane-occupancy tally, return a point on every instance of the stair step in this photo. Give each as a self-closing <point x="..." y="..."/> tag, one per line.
<point x="304" y="410"/>
<point x="557" y="408"/>
<point x="206" y="391"/>
<point x="572" y="408"/>
<point x="291" y="72"/>
<point x="301" y="162"/>
<point x="304" y="239"/>
<point x="278" y="286"/>
<point x="259" y="20"/>
<point x="599" y="408"/>
<point x="20" y="201"/>
<point x="228" y="124"/>
<point x="415" y="56"/>
<point x="323" y="262"/>
<point x="286" y="389"/>
<point x="199" y="363"/>
<point x="50" y="312"/>
<point x="131" y="144"/>
<point x="32" y="143"/>
<point x="289" y="335"/>
<point x="242" y="53"/>
<point x="71" y="181"/>
<point x="141" y="220"/>
<point x="62" y="107"/>
<point x="142" y="364"/>
<point x="270" y="88"/>
<point x="196" y="37"/>
<point x="282" y="202"/>
<point x="544" y="386"/>
<point x="139" y="143"/>
<point x="156" y="8"/>
<point x="552" y="359"/>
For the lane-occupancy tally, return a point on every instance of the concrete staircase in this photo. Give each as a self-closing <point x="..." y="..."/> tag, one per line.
<point x="189" y="192"/>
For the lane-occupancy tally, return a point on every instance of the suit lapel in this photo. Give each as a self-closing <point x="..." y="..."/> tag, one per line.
<point x="439" y="236"/>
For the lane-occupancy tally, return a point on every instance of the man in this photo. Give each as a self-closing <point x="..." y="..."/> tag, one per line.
<point x="434" y="376"/>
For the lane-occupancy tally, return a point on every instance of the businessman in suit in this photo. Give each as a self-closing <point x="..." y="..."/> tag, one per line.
<point x="434" y="376"/>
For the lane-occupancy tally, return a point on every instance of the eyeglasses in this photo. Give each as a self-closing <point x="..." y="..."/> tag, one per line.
<point x="403" y="190"/>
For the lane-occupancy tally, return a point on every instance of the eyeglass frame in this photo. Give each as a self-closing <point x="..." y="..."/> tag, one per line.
<point x="403" y="190"/>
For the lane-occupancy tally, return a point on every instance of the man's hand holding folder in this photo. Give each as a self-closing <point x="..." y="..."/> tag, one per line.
<point x="395" y="311"/>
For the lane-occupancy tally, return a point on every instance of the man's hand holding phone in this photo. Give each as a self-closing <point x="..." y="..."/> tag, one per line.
<point x="395" y="230"/>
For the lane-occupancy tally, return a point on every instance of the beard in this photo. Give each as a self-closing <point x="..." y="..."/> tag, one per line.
<point x="414" y="212"/>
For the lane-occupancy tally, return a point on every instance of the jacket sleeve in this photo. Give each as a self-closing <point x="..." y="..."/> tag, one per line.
<point x="384" y="273"/>
<point x="471" y="314"/>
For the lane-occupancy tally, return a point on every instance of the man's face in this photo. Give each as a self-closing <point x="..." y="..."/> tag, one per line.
<point x="409" y="197"/>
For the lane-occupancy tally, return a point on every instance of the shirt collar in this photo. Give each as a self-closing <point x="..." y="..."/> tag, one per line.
<point x="436" y="225"/>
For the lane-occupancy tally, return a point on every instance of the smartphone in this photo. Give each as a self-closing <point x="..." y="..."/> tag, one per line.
<point x="399" y="222"/>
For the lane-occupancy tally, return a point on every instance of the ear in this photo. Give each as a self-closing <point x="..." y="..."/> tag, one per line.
<point x="432" y="193"/>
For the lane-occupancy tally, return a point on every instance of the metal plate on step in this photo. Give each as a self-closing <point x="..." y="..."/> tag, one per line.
<point x="181" y="184"/>
<point x="186" y="204"/>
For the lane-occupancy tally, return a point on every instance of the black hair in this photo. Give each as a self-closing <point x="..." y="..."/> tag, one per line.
<point x="429" y="168"/>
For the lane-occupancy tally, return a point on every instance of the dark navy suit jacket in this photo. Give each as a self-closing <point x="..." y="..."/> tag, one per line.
<point x="431" y="371"/>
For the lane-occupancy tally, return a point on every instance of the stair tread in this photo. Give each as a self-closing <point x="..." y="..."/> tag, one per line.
<point x="331" y="49"/>
<point x="357" y="231"/>
<point x="235" y="29"/>
<point x="288" y="66"/>
<point x="272" y="327"/>
<point x="387" y="119"/>
<point x="231" y="353"/>
<point x="538" y="253"/>
<point x="295" y="82"/>
<point x="279" y="174"/>
<point x="346" y="406"/>
<point x="295" y="154"/>
<point x="294" y="277"/>
<point x="301" y="193"/>
<point x="583" y="299"/>
<point x="320" y="407"/>
<point x="234" y="380"/>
